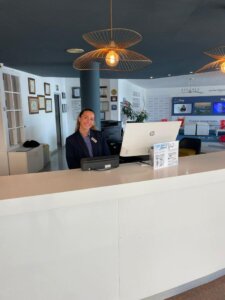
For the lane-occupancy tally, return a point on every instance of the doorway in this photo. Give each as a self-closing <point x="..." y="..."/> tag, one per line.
<point x="58" y="120"/>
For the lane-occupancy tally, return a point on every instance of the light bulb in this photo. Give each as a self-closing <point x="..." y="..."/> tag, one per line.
<point x="112" y="58"/>
<point x="222" y="67"/>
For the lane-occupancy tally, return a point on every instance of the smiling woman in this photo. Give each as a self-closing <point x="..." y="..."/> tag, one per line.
<point x="86" y="141"/>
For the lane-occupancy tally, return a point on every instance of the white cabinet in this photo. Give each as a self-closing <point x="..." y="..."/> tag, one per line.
<point x="26" y="160"/>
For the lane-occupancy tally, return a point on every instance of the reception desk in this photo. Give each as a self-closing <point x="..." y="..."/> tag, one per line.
<point x="127" y="233"/>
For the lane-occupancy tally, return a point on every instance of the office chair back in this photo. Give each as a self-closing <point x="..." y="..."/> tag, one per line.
<point x="189" y="146"/>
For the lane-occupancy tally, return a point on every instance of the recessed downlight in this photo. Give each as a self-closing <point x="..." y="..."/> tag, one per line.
<point x="74" y="50"/>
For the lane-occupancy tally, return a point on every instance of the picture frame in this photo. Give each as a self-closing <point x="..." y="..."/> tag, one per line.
<point x="64" y="108"/>
<point x="102" y="115"/>
<point x="103" y="91"/>
<point x="41" y="102"/>
<point x="48" y="105"/>
<point x="113" y="107"/>
<point x="104" y="106"/>
<point x="33" y="105"/>
<point x="31" y="86"/>
<point x="75" y="92"/>
<point x="113" y="92"/>
<point x="113" y="98"/>
<point x="47" y="89"/>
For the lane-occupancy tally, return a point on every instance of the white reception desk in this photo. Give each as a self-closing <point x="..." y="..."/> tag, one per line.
<point x="127" y="233"/>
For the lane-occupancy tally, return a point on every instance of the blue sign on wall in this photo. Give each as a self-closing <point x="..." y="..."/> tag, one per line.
<point x="198" y="106"/>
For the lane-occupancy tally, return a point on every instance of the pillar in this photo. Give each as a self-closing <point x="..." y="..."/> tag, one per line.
<point x="90" y="94"/>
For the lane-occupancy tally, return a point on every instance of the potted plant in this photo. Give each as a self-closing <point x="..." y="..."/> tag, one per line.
<point x="130" y="113"/>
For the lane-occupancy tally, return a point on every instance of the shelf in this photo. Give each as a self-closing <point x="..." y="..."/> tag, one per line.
<point x="13" y="105"/>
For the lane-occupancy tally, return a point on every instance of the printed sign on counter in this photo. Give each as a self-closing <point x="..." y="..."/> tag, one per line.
<point x="165" y="155"/>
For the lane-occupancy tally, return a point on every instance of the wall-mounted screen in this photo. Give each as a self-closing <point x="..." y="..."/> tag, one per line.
<point x="182" y="108"/>
<point x="219" y="108"/>
<point x="202" y="108"/>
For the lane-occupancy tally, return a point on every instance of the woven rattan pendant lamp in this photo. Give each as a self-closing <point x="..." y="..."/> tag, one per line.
<point x="111" y="52"/>
<point x="218" y="54"/>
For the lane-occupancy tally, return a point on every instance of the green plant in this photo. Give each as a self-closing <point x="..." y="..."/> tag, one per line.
<point x="137" y="116"/>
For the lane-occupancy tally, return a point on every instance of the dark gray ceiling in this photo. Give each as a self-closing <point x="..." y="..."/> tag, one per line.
<point x="35" y="34"/>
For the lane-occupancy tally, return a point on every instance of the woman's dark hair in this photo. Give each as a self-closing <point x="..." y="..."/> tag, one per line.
<point x="80" y="114"/>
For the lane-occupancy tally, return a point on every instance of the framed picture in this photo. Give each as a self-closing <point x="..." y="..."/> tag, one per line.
<point x="41" y="102"/>
<point x="48" y="105"/>
<point x="113" y="92"/>
<point x="47" y="89"/>
<point x="33" y="105"/>
<point x="63" y="95"/>
<point x="113" y="107"/>
<point x="113" y="98"/>
<point x="64" y="108"/>
<point x="31" y="86"/>
<point x="103" y="91"/>
<point x="102" y="115"/>
<point x="104" y="106"/>
<point x="75" y="92"/>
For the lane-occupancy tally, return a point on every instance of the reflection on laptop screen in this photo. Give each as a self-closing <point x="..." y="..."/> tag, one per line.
<point x="139" y="137"/>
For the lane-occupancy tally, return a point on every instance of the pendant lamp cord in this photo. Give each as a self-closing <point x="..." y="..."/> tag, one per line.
<point x="111" y="17"/>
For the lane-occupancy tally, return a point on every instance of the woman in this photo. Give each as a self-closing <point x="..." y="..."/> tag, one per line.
<point x="86" y="141"/>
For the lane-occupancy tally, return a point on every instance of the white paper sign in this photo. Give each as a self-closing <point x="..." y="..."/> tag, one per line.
<point x="165" y="155"/>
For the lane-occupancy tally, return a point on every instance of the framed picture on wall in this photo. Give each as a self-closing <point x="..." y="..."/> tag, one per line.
<point x="47" y="89"/>
<point x="33" y="105"/>
<point x="102" y="116"/>
<point x="48" y="105"/>
<point x="31" y="86"/>
<point x="103" y="91"/>
<point x="41" y="102"/>
<point x="104" y="106"/>
<point x="64" y="108"/>
<point x="75" y="92"/>
<point x="113" y="98"/>
<point x="113" y="107"/>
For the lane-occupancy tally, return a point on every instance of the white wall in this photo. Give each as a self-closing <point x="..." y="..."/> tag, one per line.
<point x="159" y="93"/>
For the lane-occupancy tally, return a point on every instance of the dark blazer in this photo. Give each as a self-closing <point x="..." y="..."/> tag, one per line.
<point x="77" y="149"/>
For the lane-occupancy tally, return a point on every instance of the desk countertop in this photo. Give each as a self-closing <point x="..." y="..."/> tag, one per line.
<point x="23" y="185"/>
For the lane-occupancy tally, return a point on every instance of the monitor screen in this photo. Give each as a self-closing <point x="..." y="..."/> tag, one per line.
<point x="202" y="108"/>
<point x="139" y="137"/>
<point x="219" y="108"/>
<point x="112" y="130"/>
<point x="182" y="108"/>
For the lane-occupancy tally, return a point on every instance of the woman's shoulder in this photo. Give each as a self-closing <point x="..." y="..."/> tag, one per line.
<point x="72" y="136"/>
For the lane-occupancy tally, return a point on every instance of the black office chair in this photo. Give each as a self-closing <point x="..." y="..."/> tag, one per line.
<point x="189" y="146"/>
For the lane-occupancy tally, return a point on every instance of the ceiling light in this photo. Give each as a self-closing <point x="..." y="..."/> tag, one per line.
<point x="111" y="52"/>
<point x="222" y="67"/>
<point x="219" y="55"/>
<point x="74" y="50"/>
<point x="112" y="58"/>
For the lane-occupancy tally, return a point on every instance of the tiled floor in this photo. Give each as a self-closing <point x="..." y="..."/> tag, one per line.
<point x="57" y="161"/>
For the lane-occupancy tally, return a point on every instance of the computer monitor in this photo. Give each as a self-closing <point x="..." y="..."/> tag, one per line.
<point x="112" y="130"/>
<point x="138" y="138"/>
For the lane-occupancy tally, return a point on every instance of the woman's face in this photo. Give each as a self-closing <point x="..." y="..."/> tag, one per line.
<point x="87" y="120"/>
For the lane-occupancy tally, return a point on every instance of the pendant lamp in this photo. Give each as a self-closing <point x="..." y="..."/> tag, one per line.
<point x="219" y="55"/>
<point x="111" y="50"/>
